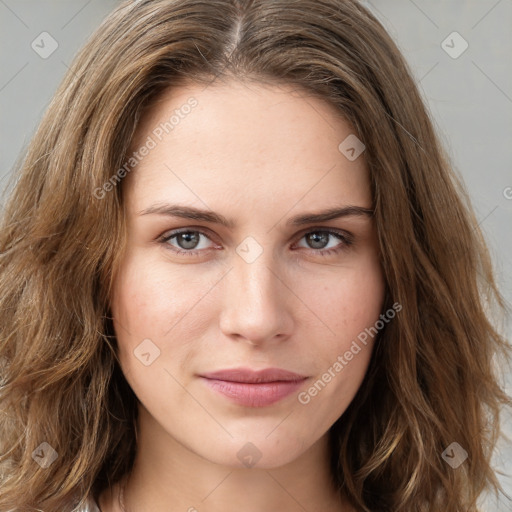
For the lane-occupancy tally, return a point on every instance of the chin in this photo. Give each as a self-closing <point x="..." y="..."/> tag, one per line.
<point x="255" y="451"/>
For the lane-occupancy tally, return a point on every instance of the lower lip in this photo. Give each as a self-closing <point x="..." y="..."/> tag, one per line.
<point x="254" y="394"/>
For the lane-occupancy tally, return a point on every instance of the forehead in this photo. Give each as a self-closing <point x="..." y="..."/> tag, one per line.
<point x="245" y="142"/>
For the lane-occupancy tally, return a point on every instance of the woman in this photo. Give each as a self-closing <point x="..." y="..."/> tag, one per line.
<point x="238" y="272"/>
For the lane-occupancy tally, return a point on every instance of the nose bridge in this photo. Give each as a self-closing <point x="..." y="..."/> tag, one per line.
<point x="255" y="283"/>
<point x="255" y="306"/>
<point x="255" y="280"/>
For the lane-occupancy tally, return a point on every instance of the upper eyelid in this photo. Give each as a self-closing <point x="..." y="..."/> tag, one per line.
<point x="336" y="231"/>
<point x="171" y="234"/>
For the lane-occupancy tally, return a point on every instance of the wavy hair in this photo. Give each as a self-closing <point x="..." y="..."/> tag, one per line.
<point x="432" y="379"/>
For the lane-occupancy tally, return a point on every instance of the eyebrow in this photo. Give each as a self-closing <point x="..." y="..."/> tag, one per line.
<point x="190" y="212"/>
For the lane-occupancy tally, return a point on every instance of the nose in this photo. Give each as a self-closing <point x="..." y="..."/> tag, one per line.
<point x="257" y="304"/>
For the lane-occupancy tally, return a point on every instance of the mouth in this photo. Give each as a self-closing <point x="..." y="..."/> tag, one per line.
<point x="254" y="388"/>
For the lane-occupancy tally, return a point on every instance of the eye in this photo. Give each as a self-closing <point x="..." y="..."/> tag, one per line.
<point x="320" y="239"/>
<point x="188" y="241"/>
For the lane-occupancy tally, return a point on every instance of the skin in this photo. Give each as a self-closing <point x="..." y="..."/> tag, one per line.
<point x="259" y="155"/>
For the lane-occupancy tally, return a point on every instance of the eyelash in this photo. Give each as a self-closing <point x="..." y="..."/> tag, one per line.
<point x="345" y="237"/>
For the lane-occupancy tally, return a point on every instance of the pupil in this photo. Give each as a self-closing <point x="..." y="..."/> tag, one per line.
<point x="319" y="238"/>
<point x="188" y="240"/>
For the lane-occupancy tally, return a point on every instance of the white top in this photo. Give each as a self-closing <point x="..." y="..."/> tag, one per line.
<point x="89" y="506"/>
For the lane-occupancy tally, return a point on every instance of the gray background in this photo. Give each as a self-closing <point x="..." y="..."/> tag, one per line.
<point x="469" y="97"/>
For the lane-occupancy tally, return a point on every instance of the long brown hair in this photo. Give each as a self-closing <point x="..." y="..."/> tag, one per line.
<point x="432" y="379"/>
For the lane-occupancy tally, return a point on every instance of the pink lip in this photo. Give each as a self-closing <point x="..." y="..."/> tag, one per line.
<point x="254" y="388"/>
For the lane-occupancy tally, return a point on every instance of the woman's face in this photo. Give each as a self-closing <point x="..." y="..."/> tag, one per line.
<point x="247" y="284"/>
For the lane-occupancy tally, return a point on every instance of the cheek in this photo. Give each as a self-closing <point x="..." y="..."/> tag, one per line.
<point x="349" y="301"/>
<point x="349" y="307"/>
<point x="363" y="299"/>
<point x="151" y="298"/>
<point x="151" y="302"/>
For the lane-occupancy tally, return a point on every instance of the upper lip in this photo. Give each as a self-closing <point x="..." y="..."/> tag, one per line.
<point x="254" y="376"/>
